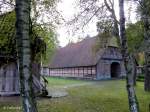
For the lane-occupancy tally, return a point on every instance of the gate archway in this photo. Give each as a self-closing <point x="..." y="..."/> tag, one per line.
<point x="115" y="70"/>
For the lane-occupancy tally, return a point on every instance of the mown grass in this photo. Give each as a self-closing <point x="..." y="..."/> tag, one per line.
<point x="98" y="96"/>
<point x="63" y="81"/>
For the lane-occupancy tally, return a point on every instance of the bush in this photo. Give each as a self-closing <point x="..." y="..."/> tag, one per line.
<point x="140" y="77"/>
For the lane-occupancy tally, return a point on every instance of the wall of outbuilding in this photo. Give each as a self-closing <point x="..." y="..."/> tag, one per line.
<point x="104" y="69"/>
<point x="9" y="79"/>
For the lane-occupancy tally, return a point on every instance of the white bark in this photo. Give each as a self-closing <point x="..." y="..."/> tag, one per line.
<point x="24" y="53"/>
<point x="133" y="104"/>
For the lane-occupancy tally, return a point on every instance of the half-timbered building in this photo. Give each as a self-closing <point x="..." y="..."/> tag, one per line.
<point x="80" y="60"/>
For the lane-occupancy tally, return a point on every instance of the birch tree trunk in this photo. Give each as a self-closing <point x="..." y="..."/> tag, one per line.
<point x="134" y="69"/>
<point x="133" y="104"/>
<point x="145" y="16"/>
<point x="24" y="54"/>
<point x="147" y="71"/>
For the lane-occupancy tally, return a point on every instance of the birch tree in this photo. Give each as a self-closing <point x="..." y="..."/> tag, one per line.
<point x="24" y="53"/>
<point x="144" y="6"/>
<point x="133" y="104"/>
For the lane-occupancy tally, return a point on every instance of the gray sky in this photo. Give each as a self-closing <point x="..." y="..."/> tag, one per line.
<point x="68" y="9"/>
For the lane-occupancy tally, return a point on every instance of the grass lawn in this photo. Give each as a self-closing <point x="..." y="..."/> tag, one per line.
<point x="63" y="81"/>
<point x="97" y="96"/>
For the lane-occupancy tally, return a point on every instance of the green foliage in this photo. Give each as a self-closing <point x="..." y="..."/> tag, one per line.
<point x="104" y="40"/>
<point x="141" y="58"/>
<point x="49" y="3"/>
<point x="140" y="78"/>
<point x="42" y="9"/>
<point x="135" y="37"/>
<point x="7" y="33"/>
<point x="105" y="37"/>
<point x="135" y="40"/>
<point x="143" y="8"/>
<point x="49" y="37"/>
<point x="43" y="41"/>
<point x="104" y="25"/>
<point x="144" y="11"/>
<point x="113" y="41"/>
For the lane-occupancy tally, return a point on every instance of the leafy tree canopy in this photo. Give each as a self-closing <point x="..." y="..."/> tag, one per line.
<point x="41" y="38"/>
<point x="135" y="36"/>
<point x="7" y="35"/>
<point x="135" y="40"/>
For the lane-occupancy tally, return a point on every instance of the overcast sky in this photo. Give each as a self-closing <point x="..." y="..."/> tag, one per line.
<point x="67" y="8"/>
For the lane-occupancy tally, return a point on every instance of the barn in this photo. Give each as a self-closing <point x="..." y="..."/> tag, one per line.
<point x="81" y="60"/>
<point x="9" y="75"/>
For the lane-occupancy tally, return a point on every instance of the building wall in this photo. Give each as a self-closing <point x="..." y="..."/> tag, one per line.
<point x="45" y="71"/>
<point x="104" y="69"/>
<point x="101" y="71"/>
<point x="9" y="79"/>
<point x="110" y="55"/>
<point x="76" y="72"/>
<point x="123" y="71"/>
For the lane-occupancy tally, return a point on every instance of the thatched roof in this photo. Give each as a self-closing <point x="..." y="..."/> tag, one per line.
<point x="76" y="54"/>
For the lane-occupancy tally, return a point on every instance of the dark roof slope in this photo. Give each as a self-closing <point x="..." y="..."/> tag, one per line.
<point x="76" y="54"/>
